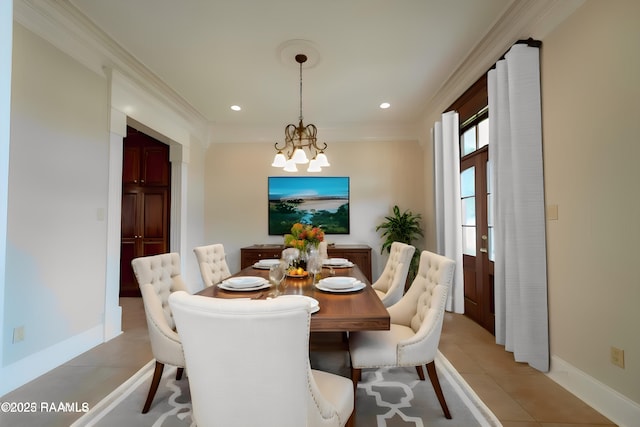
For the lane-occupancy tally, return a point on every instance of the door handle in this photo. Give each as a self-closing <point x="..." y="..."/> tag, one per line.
<point x="483" y="250"/>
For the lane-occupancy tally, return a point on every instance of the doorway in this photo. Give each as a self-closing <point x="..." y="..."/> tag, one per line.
<point x="146" y="194"/>
<point x="477" y="227"/>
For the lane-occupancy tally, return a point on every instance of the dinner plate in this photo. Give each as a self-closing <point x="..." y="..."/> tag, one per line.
<point x="345" y="264"/>
<point x="243" y="281"/>
<point x="265" y="284"/>
<point x="261" y="266"/>
<point x="338" y="282"/>
<point x="358" y="286"/>
<point x="335" y="261"/>
<point x="266" y="264"/>
<point x="313" y="303"/>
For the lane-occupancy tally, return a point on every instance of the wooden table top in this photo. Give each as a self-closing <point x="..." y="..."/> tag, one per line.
<point x="339" y="312"/>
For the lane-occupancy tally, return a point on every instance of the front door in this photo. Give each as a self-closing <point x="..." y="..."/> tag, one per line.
<point x="477" y="234"/>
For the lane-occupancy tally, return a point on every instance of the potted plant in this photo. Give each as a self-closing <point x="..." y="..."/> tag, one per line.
<point x="405" y="228"/>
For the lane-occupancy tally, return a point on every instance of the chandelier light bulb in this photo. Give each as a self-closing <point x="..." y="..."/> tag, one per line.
<point x="314" y="166"/>
<point x="300" y="157"/>
<point x="279" y="160"/>
<point x="290" y="166"/>
<point x="322" y="160"/>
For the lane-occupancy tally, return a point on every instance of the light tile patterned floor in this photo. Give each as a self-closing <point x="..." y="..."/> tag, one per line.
<point x="517" y="394"/>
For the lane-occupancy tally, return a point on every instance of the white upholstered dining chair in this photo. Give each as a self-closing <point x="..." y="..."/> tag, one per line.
<point x="390" y="285"/>
<point x="416" y="325"/>
<point x="158" y="276"/>
<point x="213" y="263"/>
<point x="322" y="250"/>
<point x="248" y="363"/>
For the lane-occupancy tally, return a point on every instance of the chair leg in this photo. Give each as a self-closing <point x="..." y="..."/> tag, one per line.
<point x="420" y="372"/>
<point x="433" y="376"/>
<point x="179" y="374"/>
<point x="157" y="374"/>
<point x="355" y="377"/>
<point x="351" y="422"/>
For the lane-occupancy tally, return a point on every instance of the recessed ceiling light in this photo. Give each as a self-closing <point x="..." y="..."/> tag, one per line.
<point x="385" y="105"/>
<point x="236" y="108"/>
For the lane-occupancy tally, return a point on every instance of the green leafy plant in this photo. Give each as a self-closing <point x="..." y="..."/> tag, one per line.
<point x="405" y="228"/>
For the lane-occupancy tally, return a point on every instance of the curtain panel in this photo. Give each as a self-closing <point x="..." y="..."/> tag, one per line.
<point x="446" y="146"/>
<point x="515" y="141"/>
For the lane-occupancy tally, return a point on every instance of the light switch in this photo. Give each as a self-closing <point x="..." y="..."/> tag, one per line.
<point x="552" y="212"/>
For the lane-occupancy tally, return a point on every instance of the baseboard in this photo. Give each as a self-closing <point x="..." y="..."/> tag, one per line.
<point x="31" y="367"/>
<point x="613" y="405"/>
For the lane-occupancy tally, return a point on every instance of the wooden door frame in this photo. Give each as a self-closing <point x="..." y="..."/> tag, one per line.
<point x="177" y="211"/>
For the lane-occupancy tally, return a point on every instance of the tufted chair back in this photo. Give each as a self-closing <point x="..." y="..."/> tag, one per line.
<point x="390" y="284"/>
<point x="260" y="356"/>
<point x="158" y="277"/>
<point x="322" y="250"/>
<point x="416" y="325"/>
<point x="422" y="307"/>
<point x="213" y="263"/>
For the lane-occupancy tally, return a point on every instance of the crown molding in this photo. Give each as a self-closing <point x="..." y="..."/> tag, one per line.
<point x="522" y="19"/>
<point x="64" y="26"/>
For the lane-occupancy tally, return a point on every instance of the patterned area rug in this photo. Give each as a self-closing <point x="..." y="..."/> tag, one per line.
<point x="392" y="397"/>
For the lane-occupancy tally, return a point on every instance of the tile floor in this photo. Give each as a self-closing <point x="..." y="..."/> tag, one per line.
<point x="517" y="394"/>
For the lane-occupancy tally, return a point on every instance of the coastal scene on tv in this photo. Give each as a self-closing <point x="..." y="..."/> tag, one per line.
<point x="319" y="201"/>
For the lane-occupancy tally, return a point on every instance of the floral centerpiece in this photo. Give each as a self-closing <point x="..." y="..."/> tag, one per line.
<point x="302" y="236"/>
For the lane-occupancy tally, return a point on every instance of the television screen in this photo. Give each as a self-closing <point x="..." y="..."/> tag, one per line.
<point x="316" y="200"/>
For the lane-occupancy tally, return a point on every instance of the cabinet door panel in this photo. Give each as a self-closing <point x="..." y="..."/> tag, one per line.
<point x="129" y="215"/>
<point x="153" y="247"/>
<point x="156" y="166"/>
<point x="155" y="224"/>
<point x="128" y="284"/>
<point x="131" y="165"/>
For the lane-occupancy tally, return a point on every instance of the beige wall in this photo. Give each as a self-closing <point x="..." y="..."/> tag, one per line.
<point x="57" y="202"/>
<point x="381" y="175"/>
<point x="591" y="101"/>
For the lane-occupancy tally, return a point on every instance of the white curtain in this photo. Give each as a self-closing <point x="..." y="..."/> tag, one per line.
<point x="448" y="210"/>
<point x="515" y="141"/>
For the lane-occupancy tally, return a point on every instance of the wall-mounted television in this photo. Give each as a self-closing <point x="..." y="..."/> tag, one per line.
<point x="318" y="200"/>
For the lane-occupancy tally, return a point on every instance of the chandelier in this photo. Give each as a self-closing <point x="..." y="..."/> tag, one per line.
<point x="299" y="138"/>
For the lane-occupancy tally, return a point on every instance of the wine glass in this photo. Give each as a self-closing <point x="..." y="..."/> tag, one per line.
<point x="277" y="273"/>
<point x="314" y="265"/>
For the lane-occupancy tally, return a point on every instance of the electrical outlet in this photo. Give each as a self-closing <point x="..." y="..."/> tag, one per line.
<point x="617" y="357"/>
<point x="18" y="334"/>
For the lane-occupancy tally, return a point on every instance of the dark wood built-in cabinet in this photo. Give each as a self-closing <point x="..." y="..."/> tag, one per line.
<point x="145" y="204"/>
<point x="358" y="254"/>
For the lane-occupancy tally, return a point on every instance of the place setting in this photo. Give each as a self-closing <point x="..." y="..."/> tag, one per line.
<point x="265" y="264"/>
<point x="337" y="263"/>
<point x="244" y="283"/>
<point x="340" y="284"/>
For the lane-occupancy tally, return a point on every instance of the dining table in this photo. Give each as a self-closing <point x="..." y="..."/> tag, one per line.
<point x="339" y="311"/>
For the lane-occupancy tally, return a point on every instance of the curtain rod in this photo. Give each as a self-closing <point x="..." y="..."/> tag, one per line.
<point x="529" y="42"/>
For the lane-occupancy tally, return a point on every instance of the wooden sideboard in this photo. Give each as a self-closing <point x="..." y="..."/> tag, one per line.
<point x="358" y="254"/>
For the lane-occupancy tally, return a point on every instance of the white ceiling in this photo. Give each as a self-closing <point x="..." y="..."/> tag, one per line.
<point x="362" y="52"/>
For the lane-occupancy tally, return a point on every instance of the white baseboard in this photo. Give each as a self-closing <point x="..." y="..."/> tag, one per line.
<point x="34" y="365"/>
<point x="613" y="405"/>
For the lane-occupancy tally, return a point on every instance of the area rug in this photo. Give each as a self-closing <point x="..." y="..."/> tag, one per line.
<point x="390" y="397"/>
